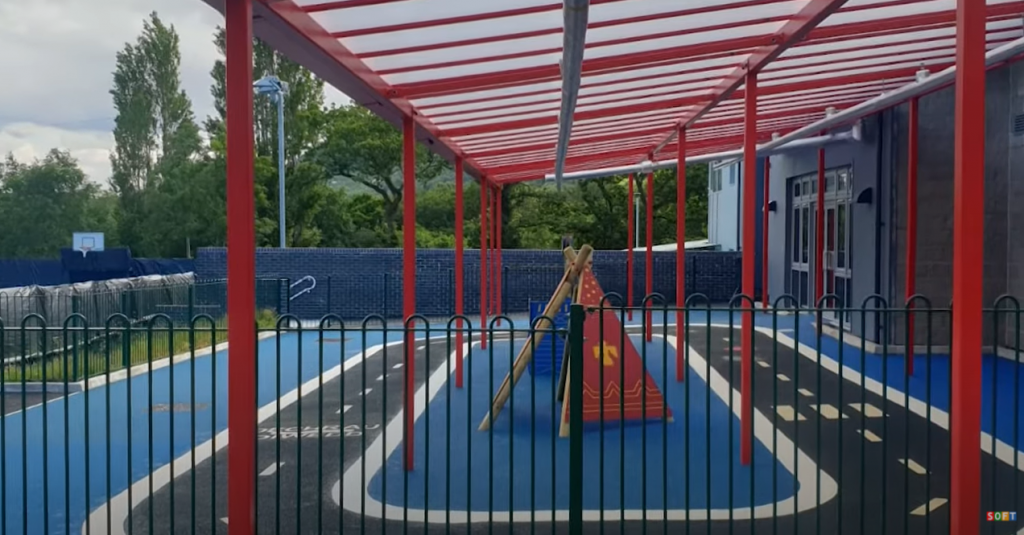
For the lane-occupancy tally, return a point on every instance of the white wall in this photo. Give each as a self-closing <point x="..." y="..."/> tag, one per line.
<point x="723" y="206"/>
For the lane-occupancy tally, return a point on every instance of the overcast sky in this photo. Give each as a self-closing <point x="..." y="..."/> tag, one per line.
<point x="57" y="59"/>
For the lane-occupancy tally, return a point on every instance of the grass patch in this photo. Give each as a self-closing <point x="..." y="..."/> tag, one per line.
<point x="97" y="352"/>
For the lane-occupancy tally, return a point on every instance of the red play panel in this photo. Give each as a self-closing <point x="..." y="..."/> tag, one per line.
<point x="621" y="389"/>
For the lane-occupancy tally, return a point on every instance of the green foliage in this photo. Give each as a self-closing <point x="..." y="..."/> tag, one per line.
<point x="156" y="139"/>
<point x="364" y="148"/>
<point x="43" y="202"/>
<point x="343" y="176"/>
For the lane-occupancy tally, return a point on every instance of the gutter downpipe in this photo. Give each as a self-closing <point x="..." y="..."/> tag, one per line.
<point x="646" y="166"/>
<point x="574" y="34"/>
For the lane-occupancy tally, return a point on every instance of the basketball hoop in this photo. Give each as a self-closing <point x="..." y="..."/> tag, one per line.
<point x="85" y="250"/>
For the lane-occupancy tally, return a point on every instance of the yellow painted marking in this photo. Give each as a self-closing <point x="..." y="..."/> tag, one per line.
<point x="608" y="351"/>
<point x="787" y="413"/>
<point x="932" y="505"/>
<point x="806" y="393"/>
<point x="763" y="364"/>
<point x="829" y="412"/>
<point x="867" y="409"/>
<point x="914" y="467"/>
<point x="782" y="378"/>
<point x="871" y="437"/>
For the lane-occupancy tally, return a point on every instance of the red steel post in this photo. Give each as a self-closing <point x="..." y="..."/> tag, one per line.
<point x="483" y="263"/>
<point x="492" y="262"/>
<point x="749" y="209"/>
<point x="241" y="241"/>
<point x="629" y="249"/>
<point x="968" y="268"/>
<point x="764" y="234"/>
<point x="819" y="231"/>
<point x="649" y="265"/>
<point x="459" y="246"/>
<point x="409" y="278"/>
<point x="911" y="276"/>
<point x="498" y="249"/>
<point x="680" y="253"/>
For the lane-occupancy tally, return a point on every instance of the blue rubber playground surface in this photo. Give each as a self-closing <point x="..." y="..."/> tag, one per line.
<point x="65" y="464"/>
<point x="59" y="451"/>
<point x="1002" y="380"/>
<point x="522" y="464"/>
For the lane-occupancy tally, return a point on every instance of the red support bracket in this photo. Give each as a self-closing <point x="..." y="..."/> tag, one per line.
<point x="681" y="327"/>
<point x="483" y="264"/>
<point x="459" y="275"/>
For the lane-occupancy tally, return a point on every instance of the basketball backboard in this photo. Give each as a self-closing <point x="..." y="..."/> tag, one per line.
<point x="87" y="242"/>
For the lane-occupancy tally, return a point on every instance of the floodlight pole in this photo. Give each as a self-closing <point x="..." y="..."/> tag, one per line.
<point x="276" y="89"/>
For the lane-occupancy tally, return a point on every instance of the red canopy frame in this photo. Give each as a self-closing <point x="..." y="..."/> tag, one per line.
<point x="480" y="83"/>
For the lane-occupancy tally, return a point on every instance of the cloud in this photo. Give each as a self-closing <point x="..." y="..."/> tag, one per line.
<point x="58" y="59"/>
<point x="29" y="141"/>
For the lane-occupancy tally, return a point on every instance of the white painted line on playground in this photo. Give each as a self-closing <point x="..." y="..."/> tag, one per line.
<point x="1003" y="451"/>
<point x="269" y="471"/>
<point x="119" y="506"/>
<point x="358" y="497"/>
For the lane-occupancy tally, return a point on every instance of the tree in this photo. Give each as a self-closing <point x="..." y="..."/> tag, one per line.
<point x="43" y="203"/>
<point x="364" y="148"/>
<point x="306" y="188"/>
<point x="154" y="131"/>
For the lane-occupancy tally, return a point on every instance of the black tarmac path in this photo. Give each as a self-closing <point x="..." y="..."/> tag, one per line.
<point x="891" y="464"/>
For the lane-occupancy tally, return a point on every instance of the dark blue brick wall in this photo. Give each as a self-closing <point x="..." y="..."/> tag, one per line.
<point x="354" y="283"/>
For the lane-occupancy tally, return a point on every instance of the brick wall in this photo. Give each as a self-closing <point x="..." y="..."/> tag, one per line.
<point x="355" y="283"/>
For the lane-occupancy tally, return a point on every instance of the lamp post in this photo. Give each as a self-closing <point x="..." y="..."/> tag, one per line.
<point x="275" y="89"/>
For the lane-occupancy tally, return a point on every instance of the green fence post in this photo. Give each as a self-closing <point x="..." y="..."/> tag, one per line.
<point x="576" y="317"/>
<point x="76" y="306"/>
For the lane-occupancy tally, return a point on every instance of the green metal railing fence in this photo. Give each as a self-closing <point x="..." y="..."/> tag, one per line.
<point x="89" y="435"/>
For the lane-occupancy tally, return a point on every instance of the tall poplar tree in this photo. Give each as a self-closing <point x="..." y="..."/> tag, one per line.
<point x="155" y="132"/>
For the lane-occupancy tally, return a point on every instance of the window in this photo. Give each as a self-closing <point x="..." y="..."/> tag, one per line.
<point x="796" y="235"/>
<point x="733" y="171"/>
<point x="715" y="183"/>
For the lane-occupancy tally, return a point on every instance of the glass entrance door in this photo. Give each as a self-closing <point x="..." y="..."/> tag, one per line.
<point x="836" y="260"/>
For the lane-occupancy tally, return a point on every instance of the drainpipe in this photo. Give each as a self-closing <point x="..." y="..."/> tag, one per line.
<point x="574" y="35"/>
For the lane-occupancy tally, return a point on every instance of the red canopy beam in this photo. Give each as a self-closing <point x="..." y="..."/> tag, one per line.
<point x="241" y="241"/>
<point x="681" y="328"/>
<point x="798" y="27"/>
<point x="332" y="61"/>
<point x="459" y="246"/>
<point x="911" y="276"/>
<point x="749" y="207"/>
<point x="968" y="268"/>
